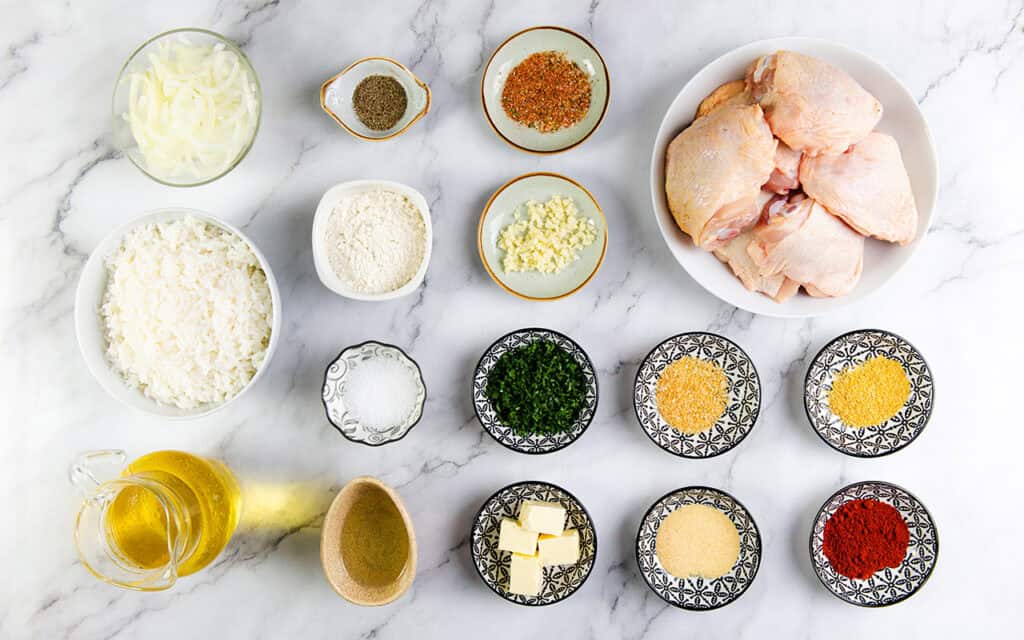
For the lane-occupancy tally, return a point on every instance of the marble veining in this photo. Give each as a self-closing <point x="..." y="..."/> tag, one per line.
<point x="63" y="186"/>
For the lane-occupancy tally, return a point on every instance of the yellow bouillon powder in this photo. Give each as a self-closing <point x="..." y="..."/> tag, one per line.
<point x="692" y="394"/>
<point x="869" y="393"/>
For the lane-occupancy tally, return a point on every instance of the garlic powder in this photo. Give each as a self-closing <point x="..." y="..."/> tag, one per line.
<point x="375" y="241"/>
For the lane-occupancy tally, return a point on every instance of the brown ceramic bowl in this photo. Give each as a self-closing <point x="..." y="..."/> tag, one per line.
<point x="330" y="547"/>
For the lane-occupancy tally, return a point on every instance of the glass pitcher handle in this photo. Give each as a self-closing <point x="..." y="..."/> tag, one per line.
<point x="93" y="468"/>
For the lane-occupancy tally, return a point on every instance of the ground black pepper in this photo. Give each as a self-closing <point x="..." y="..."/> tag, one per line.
<point x="379" y="102"/>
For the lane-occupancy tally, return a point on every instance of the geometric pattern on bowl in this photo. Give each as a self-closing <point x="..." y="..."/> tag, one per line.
<point x="849" y="350"/>
<point x="744" y="395"/>
<point x="887" y="586"/>
<point x="560" y="581"/>
<point x="695" y="593"/>
<point x="532" y="443"/>
<point x="333" y="393"/>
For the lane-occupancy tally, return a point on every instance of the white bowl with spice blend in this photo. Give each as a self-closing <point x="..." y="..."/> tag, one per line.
<point x="372" y="239"/>
<point x="375" y="98"/>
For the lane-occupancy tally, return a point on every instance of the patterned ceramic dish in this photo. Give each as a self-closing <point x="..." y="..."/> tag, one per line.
<point x="532" y="444"/>
<point x="849" y="350"/>
<point x="744" y="395"/>
<point x="336" y="100"/>
<point x="699" y="594"/>
<point x="500" y="211"/>
<point x="514" y="50"/>
<point x="333" y="396"/>
<point x="888" y="586"/>
<point x="560" y="582"/>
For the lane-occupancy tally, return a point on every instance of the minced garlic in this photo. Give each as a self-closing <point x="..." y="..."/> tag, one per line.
<point x="870" y="393"/>
<point x="692" y="394"/>
<point x="548" y="238"/>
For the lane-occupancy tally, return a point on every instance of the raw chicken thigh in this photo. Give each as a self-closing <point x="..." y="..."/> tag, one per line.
<point x="811" y="105"/>
<point x="734" y="253"/>
<point x="867" y="187"/>
<point x="714" y="172"/>
<point x="734" y="92"/>
<point x="799" y="239"/>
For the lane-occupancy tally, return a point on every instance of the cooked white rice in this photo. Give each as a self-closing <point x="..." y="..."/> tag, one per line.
<point x="187" y="312"/>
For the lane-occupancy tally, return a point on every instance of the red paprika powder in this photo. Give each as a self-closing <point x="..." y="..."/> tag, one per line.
<point x="865" y="536"/>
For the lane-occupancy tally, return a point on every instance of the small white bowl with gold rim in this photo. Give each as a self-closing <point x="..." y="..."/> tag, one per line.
<point x="513" y="51"/>
<point x="502" y="210"/>
<point x="329" y="201"/>
<point x="336" y="96"/>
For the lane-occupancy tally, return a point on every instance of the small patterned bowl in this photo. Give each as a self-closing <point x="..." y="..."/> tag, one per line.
<point x="849" y="350"/>
<point x="532" y="444"/>
<point x="560" y="582"/>
<point x="887" y="586"/>
<point x="517" y="48"/>
<point x="744" y="395"/>
<point x="333" y="393"/>
<point x="698" y="594"/>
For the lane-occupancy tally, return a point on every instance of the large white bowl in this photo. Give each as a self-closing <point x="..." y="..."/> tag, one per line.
<point x="89" y="326"/>
<point x="902" y="119"/>
<point x="330" y="199"/>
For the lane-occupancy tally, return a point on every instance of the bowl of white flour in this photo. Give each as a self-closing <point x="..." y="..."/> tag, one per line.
<point x="372" y="239"/>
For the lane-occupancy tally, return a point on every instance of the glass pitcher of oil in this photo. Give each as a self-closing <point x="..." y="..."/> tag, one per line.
<point x="144" y="524"/>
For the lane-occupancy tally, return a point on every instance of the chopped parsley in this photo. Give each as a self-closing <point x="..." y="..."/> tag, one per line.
<point x="537" y="388"/>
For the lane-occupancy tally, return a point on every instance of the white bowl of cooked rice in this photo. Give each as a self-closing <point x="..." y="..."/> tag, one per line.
<point x="177" y="313"/>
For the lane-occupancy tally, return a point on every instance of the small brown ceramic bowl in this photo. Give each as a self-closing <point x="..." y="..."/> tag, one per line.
<point x="336" y="572"/>
<point x="336" y="97"/>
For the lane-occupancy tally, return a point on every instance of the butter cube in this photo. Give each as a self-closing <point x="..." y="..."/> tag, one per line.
<point x="542" y="517"/>
<point x="516" y="539"/>
<point x="563" y="549"/>
<point x="524" y="576"/>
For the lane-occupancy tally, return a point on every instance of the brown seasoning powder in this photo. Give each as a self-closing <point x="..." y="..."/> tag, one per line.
<point x="379" y="102"/>
<point x="547" y="91"/>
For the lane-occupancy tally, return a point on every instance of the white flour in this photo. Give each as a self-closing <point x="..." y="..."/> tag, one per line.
<point x="375" y="241"/>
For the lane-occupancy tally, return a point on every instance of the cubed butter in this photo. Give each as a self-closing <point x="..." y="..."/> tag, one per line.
<point x="516" y="539"/>
<point x="542" y="517"/>
<point x="525" y="576"/>
<point x="563" y="549"/>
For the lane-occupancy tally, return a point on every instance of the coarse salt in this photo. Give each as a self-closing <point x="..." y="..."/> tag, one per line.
<point x="381" y="393"/>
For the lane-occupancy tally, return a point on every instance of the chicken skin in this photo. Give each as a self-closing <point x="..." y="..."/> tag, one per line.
<point x="811" y="105"/>
<point x="785" y="176"/>
<point x="734" y="253"/>
<point x="867" y="187"/>
<point x="802" y="241"/>
<point x="734" y="92"/>
<point x="714" y="172"/>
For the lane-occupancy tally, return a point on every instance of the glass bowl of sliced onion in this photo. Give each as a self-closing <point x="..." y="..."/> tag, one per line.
<point x="187" y="107"/>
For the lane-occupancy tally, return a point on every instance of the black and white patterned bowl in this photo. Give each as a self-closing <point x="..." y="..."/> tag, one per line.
<point x="698" y="594"/>
<point x="560" y="582"/>
<point x="887" y="586"/>
<point x="542" y="443"/>
<point x="849" y="350"/>
<point x="333" y="397"/>
<point x="744" y="395"/>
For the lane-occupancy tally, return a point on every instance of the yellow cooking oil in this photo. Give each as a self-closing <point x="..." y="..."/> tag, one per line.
<point x="205" y="489"/>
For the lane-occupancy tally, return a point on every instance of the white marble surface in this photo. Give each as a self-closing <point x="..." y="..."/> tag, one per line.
<point x="62" y="187"/>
